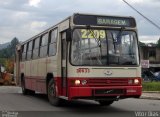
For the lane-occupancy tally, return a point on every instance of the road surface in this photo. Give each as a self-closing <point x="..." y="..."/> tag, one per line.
<point x="12" y="100"/>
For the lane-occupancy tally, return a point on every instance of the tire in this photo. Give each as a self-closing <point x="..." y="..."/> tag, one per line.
<point x="138" y="96"/>
<point x="105" y="103"/>
<point x="24" y="90"/>
<point x="51" y="92"/>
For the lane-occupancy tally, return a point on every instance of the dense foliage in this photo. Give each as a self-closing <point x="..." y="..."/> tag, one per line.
<point x="9" y="52"/>
<point x="158" y="43"/>
<point x="7" y="55"/>
<point x="151" y="86"/>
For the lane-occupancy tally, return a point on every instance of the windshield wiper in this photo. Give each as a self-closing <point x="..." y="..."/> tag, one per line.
<point x="116" y="39"/>
<point x="97" y="40"/>
<point x="120" y="33"/>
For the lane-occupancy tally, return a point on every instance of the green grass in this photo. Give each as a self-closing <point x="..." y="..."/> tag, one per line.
<point x="151" y="86"/>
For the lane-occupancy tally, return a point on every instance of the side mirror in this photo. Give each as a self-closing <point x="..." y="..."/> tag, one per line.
<point x="68" y="35"/>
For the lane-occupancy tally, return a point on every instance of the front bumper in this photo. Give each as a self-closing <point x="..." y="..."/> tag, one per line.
<point x="98" y="92"/>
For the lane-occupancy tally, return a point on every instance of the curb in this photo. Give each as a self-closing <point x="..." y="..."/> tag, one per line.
<point x="151" y="92"/>
<point x="152" y="95"/>
<point x="151" y="98"/>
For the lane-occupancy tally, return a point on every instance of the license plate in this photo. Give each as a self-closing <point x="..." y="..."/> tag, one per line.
<point x="108" y="91"/>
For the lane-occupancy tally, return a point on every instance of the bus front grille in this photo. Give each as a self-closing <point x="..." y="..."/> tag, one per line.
<point x="107" y="82"/>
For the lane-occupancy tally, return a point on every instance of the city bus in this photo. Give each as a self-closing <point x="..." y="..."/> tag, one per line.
<point x="85" y="56"/>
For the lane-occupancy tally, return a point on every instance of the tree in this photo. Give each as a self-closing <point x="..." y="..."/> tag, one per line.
<point x="7" y="54"/>
<point x="158" y="43"/>
<point x="142" y="44"/>
<point x="12" y="47"/>
<point x="14" y="42"/>
<point x="2" y="61"/>
<point x="9" y="65"/>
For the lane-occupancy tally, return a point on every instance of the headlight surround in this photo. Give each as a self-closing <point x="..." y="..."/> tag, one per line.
<point x="77" y="82"/>
<point x="136" y="81"/>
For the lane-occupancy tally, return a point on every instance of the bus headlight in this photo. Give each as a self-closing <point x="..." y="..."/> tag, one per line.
<point x="84" y="82"/>
<point x="77" y="82"/>
<point x="136" y="81"/>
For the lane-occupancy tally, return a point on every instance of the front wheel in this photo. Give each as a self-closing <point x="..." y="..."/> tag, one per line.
<point x="52" y="97"/>
<point x="24" y="90"/>
<point x="105" y="103"/>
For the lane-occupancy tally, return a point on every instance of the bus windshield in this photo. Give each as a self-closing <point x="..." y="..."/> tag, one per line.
<point x="91" y="47"/>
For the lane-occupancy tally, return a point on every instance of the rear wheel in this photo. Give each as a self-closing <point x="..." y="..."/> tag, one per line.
<point x="52" y="97"/>
<point x="105" y="103"/>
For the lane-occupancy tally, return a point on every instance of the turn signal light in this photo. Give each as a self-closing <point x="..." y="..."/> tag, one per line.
<point x="84" y="82"/>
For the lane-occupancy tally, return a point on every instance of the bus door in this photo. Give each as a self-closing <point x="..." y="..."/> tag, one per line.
<point x="64" y="63"/>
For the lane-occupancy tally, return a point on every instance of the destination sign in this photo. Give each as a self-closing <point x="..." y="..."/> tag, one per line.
<point x="81" y="19"/>
<point x="111" y="21"/>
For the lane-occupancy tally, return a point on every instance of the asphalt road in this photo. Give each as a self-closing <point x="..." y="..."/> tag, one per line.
<point x="12" y="100"/>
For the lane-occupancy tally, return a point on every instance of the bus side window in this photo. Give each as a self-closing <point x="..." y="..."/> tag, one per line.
<point x="53" y="42"/>
<point x="29" y="50"/>
<point x="44" y="45"/>
<point x="24" y="52"/>
<point x="36" y="48"/>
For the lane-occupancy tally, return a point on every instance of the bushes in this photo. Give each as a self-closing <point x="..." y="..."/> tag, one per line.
<point x="151" y="86"/>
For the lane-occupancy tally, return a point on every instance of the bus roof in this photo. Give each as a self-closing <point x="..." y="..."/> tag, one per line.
<point x="104" y="20"/>
<point x="93" y="19"/>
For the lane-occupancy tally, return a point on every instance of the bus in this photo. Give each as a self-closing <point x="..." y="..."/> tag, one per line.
<point x="85" y="56"/>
